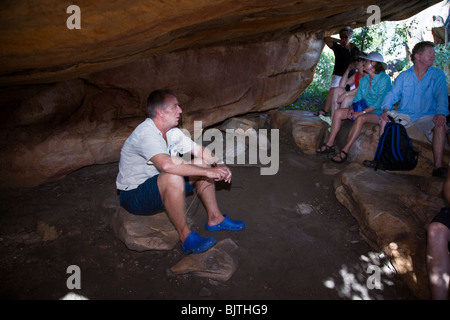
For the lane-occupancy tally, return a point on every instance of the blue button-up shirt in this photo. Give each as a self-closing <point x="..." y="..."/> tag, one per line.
<point x="418" y="99"/>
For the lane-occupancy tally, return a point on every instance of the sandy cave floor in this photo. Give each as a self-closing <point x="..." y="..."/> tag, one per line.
<point x="300" y="242"/>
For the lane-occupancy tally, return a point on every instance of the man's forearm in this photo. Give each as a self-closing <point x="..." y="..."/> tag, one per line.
<point x="206" y="155"/>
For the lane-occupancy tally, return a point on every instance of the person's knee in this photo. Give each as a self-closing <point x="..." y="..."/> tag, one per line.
<point x="346" y="102"/>
<point x="341" y="114"/>
<point x="168" y="182"/>
<point x="336" y="92"/>
<point x="360" y="120"/>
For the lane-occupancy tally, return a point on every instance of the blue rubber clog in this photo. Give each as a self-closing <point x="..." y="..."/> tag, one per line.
<point x="197" y="244"/>
<point x="227" y="224"/>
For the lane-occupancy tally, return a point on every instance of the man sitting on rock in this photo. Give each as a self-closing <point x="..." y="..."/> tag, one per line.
<point x="422" y="92"/>
<point x="152" y="176"/>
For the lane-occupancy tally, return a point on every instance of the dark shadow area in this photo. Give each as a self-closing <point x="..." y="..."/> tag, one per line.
<point x="300" y="242"/>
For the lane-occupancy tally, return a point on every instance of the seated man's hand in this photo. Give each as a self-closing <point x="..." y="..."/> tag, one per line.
<point x="220" y="173"/>
<point x="439" y="120"/>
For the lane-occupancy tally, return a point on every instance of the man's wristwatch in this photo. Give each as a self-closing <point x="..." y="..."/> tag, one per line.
<point x="364" y="111"/>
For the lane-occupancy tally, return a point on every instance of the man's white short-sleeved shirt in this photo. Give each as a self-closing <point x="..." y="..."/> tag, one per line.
<point x="145" y="142"/>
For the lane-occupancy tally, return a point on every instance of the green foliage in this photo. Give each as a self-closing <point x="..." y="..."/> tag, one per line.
<point x="388" y="38"/>
<point x="443" y="60"/>
<point x="363" y="38"/>
<point x="322" y="76"/>
<point x="442" y="56"/>
<point x="316" y="93"/>
<point x="402" y="65"/>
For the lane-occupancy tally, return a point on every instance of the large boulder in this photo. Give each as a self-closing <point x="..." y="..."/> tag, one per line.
<point x="392" y="213"/>
<point x="143" y="233"/>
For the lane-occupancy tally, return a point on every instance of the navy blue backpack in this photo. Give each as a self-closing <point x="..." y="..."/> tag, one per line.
<point x="395" y="150"/>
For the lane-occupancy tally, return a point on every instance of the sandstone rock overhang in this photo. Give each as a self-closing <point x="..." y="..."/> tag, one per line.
<point x="70" y="97"/>
<point x="38" y="47"/>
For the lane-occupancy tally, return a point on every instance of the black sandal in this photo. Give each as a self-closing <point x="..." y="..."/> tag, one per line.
<point x="343" y="159"/>
<point x="327" y="149"/>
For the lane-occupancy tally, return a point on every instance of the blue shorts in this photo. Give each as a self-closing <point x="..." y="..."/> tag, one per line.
<point x="146" y="200"/>
<point x="443" y="217"/>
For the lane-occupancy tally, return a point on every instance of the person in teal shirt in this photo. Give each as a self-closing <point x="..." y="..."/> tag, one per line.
<point x="371" y="92"/>
<point x="422" y="93"/>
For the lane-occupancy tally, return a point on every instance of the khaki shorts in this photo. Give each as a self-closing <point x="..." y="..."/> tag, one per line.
<point x="424" y="124"/>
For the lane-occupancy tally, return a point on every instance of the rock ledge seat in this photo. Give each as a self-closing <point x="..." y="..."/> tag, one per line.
<point x="308" y="132"/>
<point x="392" y="209"/>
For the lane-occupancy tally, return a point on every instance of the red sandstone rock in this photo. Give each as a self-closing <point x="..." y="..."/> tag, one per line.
<point x="89" y="85"/>
<point x="38" y="47"/>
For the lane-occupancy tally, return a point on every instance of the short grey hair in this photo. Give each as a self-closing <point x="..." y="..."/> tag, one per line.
<point x="156" y="100"/>
<point x="420" y="47"/>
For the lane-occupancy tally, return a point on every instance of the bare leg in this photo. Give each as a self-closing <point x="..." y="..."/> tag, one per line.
<point x="337" y="92"/>
<point x="329" y="100"/>
<point x="336" y="124"/>
<point x="207" y="192"/>
<point x="171" y="188"/>
<point x="346" y="101"/>
<point x="438" y="260"/>
<point x="438" y="145"/>
<point x="382" y="126"/>
<point x="355" y="131"/>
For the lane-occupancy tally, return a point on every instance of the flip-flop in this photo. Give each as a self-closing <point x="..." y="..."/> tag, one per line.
<point x="196" y="244"/>
<point x="326" y="119"/>
<point x="227" y="224"/>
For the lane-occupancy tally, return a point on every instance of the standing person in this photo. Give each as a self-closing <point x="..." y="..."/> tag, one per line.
<point x="152" y="177"/>
<point x="422" y="92"/>
<point x="371" y="92"/>
<point x="344" y="51"/>
<point x="438" y="258"/>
